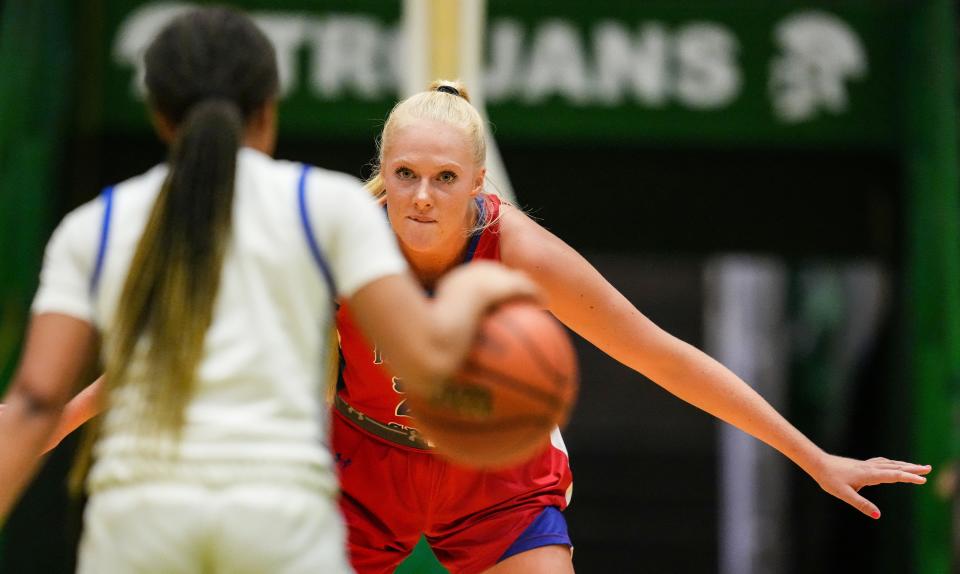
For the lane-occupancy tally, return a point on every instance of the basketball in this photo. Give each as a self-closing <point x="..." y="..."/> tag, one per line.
<point x="517" y="384"/>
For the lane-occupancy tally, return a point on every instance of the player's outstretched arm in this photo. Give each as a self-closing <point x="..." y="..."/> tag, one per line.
<point x="35" y="400"/>
<point x="577" y="294"/>
<point x="88" y="403"/>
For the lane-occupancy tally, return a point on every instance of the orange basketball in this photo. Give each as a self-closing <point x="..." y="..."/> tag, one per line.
<point x="518" y="382"/>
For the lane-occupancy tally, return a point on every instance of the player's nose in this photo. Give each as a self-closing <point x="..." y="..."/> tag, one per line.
<point x="421" y="198"/>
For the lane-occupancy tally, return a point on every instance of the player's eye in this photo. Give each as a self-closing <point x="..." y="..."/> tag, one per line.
<point x="447" y="177"/>
<point x="404" y="173"/>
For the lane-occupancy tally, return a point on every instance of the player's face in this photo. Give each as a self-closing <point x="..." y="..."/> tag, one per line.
<point x="431" y="180"/>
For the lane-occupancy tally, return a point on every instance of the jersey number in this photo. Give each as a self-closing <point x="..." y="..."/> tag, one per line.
<point x="402" y="410"/>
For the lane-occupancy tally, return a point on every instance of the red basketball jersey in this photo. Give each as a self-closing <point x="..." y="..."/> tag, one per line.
<point x="393" y="492"/>
<point x="365" y="383"/>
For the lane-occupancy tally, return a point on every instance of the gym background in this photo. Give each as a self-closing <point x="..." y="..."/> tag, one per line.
<point x="775" y="182"/>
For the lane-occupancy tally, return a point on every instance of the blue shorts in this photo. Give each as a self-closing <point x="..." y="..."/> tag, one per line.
<point x="549" y="528"/>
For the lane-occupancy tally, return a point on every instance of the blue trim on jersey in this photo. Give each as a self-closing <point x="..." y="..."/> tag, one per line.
<point x="549" y="528"/>
<point x="104" y="237"/>
<point x="308" y="231"/>
<point x="475" y="238"/>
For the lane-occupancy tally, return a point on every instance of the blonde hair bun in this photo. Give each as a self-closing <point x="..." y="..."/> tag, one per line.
<point x="452" y="87"/>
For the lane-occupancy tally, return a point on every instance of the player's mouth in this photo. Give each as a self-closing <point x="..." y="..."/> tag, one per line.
<point x="421" y="219"/>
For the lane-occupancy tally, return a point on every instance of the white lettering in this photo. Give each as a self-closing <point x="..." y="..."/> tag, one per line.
<point x="347" y="51"/>
<point x="287" y="32"/>
<point x="503" y="69"/>
<point x="695" y="65"/>
<point x="394" y="60"/>
<point x="707" y="74"/>
<point x="137" y="31"/>
<point x="624" y="63"/>
<point x="556" y="64"/>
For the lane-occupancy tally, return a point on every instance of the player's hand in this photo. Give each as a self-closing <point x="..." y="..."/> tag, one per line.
<point x="492" y="283"/>
<point x="844" y="477"/>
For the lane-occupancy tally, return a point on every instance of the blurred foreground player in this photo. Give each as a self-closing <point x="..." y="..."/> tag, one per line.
<point x="211" y="280"/>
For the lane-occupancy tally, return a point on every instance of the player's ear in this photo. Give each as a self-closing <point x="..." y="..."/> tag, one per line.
<point x="163" y="126"/>
<point x="478" y="182"/>
<point x="262" y="127"/>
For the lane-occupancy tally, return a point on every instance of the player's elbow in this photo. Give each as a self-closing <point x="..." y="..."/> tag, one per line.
<point x="34" y="398"/>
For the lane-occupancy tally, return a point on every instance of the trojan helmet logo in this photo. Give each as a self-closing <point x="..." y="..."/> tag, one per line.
<point x="819" y="54"/>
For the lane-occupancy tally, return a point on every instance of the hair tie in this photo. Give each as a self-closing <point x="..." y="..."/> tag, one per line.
<point x="448" y="90"/>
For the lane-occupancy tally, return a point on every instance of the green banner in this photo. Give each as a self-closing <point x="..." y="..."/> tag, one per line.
<point x="932" y="279"/>
<point x="697" y="72"/>
<point x="35" y="67"/>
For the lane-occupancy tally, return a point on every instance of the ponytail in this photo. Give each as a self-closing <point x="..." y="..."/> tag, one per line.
<point x="173" y="280"/>
<point x="207" y="73"/>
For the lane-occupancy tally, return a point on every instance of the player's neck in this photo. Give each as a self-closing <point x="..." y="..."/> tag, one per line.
<point x="430" y="267"/>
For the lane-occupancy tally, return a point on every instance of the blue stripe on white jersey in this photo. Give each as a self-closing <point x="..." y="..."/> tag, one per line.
<point x="308" y="232"/>
<point x="107" y="196"/>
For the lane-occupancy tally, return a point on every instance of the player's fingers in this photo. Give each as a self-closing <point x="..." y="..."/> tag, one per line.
<point x="904" y="466"/>
<point x="892" y="476"/>
<point x="851" y="497"/>
<point x="914" y="468"/>
<point x="513" y="284"/>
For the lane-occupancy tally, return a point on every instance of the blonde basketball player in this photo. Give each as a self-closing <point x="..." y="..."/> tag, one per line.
<point x="430" y="177"/>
